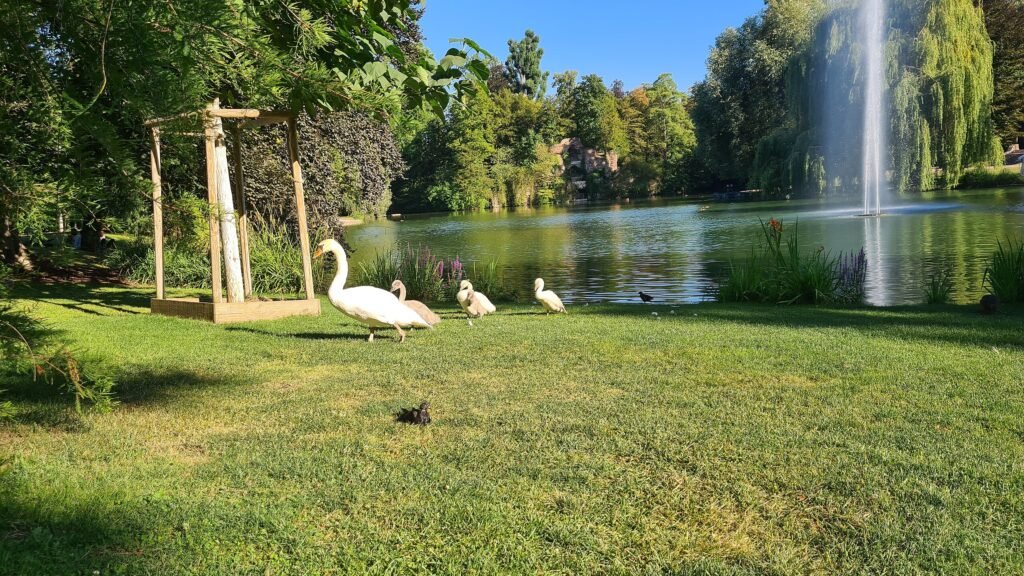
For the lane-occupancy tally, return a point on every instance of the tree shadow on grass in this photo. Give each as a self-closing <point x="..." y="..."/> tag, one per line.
<point x="85" y="297"/>
<point x="304" y="335"/>
<point x="961" y="325"/>
<point x="43" y="539"/>
<point x="51" y="405"/>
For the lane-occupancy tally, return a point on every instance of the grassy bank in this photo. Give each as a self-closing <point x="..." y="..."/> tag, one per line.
<point x="722" y="439"/>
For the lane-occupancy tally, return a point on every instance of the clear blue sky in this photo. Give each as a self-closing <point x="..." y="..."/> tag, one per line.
<point x="633" y="41"/>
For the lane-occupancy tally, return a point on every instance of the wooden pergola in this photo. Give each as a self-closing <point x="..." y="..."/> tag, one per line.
<point x="220" y="310"/>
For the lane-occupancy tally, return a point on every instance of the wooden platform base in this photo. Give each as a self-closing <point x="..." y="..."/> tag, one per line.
<point x="228" y="312"/>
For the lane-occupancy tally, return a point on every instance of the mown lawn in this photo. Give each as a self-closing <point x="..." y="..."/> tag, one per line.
<point x="715" y="440"/>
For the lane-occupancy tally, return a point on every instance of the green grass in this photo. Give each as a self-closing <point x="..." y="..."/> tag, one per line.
<point x="722" y="439"/>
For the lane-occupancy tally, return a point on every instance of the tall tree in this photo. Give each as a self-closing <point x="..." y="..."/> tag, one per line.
<point x="596" y="116"/>
<point x="743" y="97"/>
<point x="523" y="68"/>
<point x="1004" y="20"/>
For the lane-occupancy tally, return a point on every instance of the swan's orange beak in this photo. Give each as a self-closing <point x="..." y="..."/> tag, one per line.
<point x="318" y="252"/>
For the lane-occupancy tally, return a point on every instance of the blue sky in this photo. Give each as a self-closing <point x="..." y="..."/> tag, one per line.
<point x="631" y="41"/>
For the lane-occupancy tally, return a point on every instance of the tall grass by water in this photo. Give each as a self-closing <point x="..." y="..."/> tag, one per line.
<point x="274" y="252"/>
<point x="432" y="278"/>
<point x="781" y="273"/>
<point x="1004" y="276"/>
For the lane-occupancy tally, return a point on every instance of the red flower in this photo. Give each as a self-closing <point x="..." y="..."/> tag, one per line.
<point x="775" y="225"/>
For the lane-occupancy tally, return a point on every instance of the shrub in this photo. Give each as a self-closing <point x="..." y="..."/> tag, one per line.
<point x="988" y="178"/>
<point x="939" y="288"/>
<point x="1004" y="276"/>
<point x="779" y="273"/>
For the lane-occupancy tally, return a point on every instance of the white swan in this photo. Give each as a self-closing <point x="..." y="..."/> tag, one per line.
<point x="417" y="306"/>
<point x="367" y="305"/>
<point x="473" y="303"/>
<point x="548" y="299"/>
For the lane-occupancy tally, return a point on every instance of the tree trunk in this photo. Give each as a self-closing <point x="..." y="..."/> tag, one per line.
<point x="228" y="222"/>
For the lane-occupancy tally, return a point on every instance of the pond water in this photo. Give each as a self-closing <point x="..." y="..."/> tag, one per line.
<point x="675" y="250"/>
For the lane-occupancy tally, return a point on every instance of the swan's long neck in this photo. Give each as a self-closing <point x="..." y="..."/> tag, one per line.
<point x="341" y="276"/>
<point x="401" y="292"/>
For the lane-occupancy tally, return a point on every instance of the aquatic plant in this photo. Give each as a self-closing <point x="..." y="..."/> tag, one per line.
<point x="1004" y="276"/>
<point x="939" y="288"/>
<point x="779" y="272"/>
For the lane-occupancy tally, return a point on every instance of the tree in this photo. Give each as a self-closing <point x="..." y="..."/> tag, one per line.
<point x="522" y="68"/>
<point x="1004" y="20"/>
<point x="596" y="116"/>
<point x="743" y="97"/>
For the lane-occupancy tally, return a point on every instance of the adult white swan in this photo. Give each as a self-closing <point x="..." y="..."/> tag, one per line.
<point x="367" y="305"/>
<point x="548" y="299"/>
<point x="473" y="303"/>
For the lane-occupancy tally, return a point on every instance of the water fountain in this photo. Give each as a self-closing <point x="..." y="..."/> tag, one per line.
<point x="872" y="38"/>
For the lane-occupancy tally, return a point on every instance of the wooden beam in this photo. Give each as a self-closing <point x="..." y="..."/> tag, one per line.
<point x="233" y="112"/>
<point x="249" y="114"/>
<point x="300" y="208"/>
<point x="158" y="121"/>
<point x="211" y="187"/>
<point x="158" y="211"/>
<point x="265" y="120"/>
<point x="243" y="210"/>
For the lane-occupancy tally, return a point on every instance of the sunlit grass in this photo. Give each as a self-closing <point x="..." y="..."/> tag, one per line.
<point x="718" y="439"/>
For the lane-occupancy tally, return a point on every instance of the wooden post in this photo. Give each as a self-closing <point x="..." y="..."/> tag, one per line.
<point x="243" y="212"/>
<point x="300" y="207"/>
<point x="211" y="186"/>
<point x="158" y="210"/>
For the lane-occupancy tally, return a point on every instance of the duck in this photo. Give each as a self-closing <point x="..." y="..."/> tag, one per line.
<point x="548" y="299"/>
<point x="474" y="304"/>
<point x="417" y="306"/>
<point x="646" y="297"/>
<point x="370" y="306"/>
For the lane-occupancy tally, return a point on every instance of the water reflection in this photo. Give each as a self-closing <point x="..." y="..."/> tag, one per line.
<point x="677" y="250"/>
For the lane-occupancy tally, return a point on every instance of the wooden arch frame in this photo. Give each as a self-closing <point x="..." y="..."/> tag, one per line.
<point x="218" y="310"/>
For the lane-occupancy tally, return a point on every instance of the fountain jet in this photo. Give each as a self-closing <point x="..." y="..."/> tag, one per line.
<point x="872" y="37"/>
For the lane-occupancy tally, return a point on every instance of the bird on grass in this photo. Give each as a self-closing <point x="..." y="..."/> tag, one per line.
<point x="473" y="303"/>
<point x="417" y="306"/>
<point x="646" y="297"/>
<point x="548" y="299"/>
<point x="419" y="415"/>
<point x="372" y="307"/>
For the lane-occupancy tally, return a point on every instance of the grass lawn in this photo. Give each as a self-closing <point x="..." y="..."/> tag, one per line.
<point x="717" y="440"/>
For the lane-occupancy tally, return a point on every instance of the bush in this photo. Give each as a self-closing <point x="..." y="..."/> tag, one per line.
<point x="1004" y="276"/>
<point x="429" y="278"/>
<point x="939" y="288"/>
<point x="781" y="274"/>
<point x="988" y="178"/>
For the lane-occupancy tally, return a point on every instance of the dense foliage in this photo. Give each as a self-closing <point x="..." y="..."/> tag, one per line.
<point x="349" y="161"/>
<point x="80" y="76"/>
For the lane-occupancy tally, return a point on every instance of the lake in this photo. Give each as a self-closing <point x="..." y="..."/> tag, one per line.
<point x="676" y="249"/>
